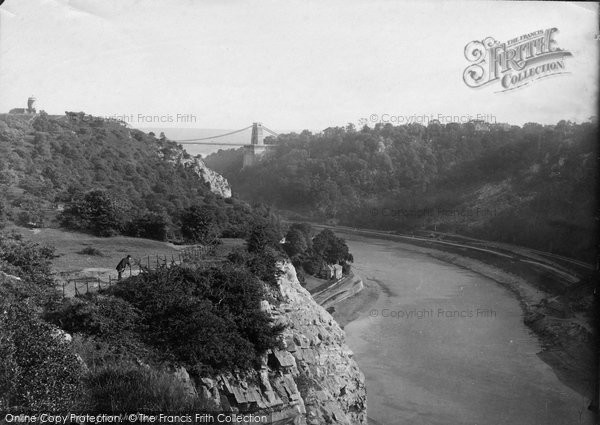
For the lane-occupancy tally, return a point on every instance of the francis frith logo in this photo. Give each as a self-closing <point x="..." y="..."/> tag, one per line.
<point x="516" y="62"/>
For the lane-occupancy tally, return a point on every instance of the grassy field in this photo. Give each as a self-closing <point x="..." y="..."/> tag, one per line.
<point x="72" y="263"/>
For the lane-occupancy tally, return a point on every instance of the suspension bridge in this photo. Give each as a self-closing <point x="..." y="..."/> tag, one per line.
<point x="252" y="151"/>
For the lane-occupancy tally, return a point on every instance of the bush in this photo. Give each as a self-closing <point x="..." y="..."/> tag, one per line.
<point x="262" y="235"/>
<point x="39" y="371"/>
<point x="201" y="223"/>
<point x="96" y="212"/>
<point x="331" y="248"/>
<point x="150" y="225"/>
<point x="91" y="251"/>
<point x="208" y="319"/>
<point x="25" y="259"/>
<point x="127" y="387"/>
<point x="98" y="315"/>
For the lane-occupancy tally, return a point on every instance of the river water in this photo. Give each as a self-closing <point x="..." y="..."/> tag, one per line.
<point x="444" y="345"/>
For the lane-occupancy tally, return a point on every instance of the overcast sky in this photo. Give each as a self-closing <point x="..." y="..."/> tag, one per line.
<point x="290" y="64"/>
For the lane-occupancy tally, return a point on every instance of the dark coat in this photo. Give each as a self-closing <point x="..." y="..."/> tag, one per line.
<point x="123" y="264"/>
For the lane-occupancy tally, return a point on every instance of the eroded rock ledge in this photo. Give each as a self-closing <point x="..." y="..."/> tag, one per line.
<point x="312" y="380"/>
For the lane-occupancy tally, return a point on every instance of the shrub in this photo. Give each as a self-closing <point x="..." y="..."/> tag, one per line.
<point x="150" y="225"/>
<point x="39" y="371"/>
<point x="209" y="319"/>
<point x="295" y="242"/>
<point x="331" y="248"/>
<point x="96" y="211"/>
<point x="25" y="259"/>
<point x="128" y="387"/>
<point x="91" y="251"/>
<point x="201" y="223"/>
<point x="262" y="236"/>
<point x="98" y="315"/>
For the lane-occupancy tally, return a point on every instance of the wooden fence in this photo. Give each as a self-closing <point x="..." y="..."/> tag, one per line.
<point x="84" y="285"/>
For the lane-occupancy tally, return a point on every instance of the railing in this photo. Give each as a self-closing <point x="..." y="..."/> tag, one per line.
<point x="81" y="285"/>
<point x="84" y="285"/>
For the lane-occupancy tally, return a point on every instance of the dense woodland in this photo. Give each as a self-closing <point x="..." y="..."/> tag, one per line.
<point x="532" y="185"/>
<point x="99" y="176"/>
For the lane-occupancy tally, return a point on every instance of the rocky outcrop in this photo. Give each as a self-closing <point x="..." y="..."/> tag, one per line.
<point x="216" y="182"/>
<point x="311" y="379"/>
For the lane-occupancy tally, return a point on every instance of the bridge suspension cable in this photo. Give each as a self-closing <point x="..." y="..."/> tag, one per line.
<point x="185" y="141"/>
<point x="270" y="131"/>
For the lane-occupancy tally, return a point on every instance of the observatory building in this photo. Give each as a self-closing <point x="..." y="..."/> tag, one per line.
<point x="30" y="110"/>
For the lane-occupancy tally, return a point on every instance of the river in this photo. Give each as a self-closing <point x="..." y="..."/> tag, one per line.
<point x="443" y="345"/>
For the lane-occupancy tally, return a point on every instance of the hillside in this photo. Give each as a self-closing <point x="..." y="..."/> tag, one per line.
<point x="52" y="168"/>
<point x="226" y="328"/>
<point x="533" y="186"/>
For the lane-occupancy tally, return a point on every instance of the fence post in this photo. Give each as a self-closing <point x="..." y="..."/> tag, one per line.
<point x="148" y="263"/>
<point x="87" y="286"/>
<point x="157" y="261"/>
<point x="63" y="285"/>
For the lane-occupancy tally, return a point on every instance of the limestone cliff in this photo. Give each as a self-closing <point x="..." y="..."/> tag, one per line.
<point x="312" y="379"/>
<point x="216" y="182"/>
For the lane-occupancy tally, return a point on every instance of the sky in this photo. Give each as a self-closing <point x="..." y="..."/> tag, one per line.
<point x="293" y="65"/>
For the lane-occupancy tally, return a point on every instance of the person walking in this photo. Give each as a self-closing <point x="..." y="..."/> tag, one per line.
<point x="126" y="261"/>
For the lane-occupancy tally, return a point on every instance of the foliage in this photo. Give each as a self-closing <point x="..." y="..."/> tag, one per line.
<point x="38" y="371"/>
<point x="128" y="387"/>
<point x="331" y="248"/>
<point x="296" y="242"/>
<point x="262" y="236"/>
<point x="94" y="211"/>
<point x="202" y="223"/>
<point x="150" y="225"/>
<point x="27" y="260"/>
<point x="89" y="250"/>
<point x="97" y="315"/>
<point x="368" y="177"/>
<point x="208" y="319"/>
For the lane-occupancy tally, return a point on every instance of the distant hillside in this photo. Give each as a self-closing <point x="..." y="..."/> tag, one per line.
<point x="533" y="185"/>
<point x="48" y="164"/>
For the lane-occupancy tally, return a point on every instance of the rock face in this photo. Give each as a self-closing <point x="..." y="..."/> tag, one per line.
<point x="217" y="183"/>
<point x="311" y="380"/>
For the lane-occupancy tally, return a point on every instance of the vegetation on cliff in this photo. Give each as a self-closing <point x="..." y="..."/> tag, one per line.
<point x="123" y="344"/>
<point x="207" y="319"/>
<point x="532" y="185"/>
<point x="99" y="176"/>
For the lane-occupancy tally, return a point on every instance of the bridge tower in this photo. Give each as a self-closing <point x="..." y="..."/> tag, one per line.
<point x="256" y="148"/>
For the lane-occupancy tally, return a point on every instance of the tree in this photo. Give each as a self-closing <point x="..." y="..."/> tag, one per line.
<point x="331" y="248"/>
<point x="200" y="224"/>
<point x="262" y="236"/>
<point x="150" y="225"/>
<point x="295" y="242"/>
<point x="96" y="211"/>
